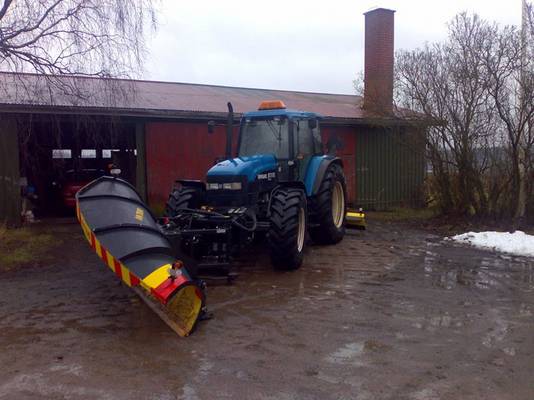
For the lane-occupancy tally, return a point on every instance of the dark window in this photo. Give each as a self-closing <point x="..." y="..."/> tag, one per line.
<point x="61" y="153"/>
<point x="88" y="153"/>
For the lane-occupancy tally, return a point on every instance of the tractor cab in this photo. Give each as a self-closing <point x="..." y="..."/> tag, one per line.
<point x="275" y="145"/>
<point x="291" y="136"/>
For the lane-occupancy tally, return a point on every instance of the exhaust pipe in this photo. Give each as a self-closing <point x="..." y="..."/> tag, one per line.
<point x="229" y="131"/>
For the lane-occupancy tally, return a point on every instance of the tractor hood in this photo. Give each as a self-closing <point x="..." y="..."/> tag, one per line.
<point x="244" y="166"/>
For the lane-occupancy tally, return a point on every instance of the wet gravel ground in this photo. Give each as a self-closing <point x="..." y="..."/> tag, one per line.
<point x="390" y="313"/>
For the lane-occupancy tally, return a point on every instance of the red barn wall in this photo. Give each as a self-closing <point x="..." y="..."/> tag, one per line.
<point x="185" y="150"/>
<point x="344" y="139"/>
<point x="179" y="150"/>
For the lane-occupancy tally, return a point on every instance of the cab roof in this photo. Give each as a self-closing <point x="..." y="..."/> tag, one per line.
<point x="281" y="112"/>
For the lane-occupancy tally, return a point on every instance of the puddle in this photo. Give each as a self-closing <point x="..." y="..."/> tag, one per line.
<point x="498" y="332"/>
<point x="509" y="351"/>
<point x="450" y="267"/>
<point x="347" y="354"/>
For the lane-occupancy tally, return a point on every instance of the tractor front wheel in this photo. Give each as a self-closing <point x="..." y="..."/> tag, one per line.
<point x="180" y="198"/>
<point x="287" y="233"/>
<point x="329" y="207"/>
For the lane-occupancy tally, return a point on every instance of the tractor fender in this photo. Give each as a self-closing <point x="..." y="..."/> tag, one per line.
<point x="316" y="172"/>
<point x="291" y="184"/>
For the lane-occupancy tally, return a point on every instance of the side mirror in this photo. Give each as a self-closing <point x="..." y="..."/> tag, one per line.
<point x="312" y="123"/>
<point x="211" y="126"/>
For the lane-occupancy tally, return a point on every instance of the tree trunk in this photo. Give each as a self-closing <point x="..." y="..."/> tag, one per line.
<point x="520" y="190"/>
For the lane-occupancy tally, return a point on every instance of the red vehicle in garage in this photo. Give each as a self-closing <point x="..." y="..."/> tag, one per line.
<point x="74" y="181"/>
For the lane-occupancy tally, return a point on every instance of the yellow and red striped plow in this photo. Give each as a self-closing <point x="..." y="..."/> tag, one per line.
<point x="181" y="300"/>
<point x="115" y="265"/>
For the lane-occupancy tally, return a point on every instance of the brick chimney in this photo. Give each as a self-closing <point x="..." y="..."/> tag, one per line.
<point x="378" y="75"/>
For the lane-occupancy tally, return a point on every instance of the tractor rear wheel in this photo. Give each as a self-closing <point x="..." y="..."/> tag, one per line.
<point x="329" y="207"/>
<point x="287" y="233"/>
<point x="180" y="198"/>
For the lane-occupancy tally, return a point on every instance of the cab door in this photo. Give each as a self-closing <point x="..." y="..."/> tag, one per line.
<point x="305" y="145"/>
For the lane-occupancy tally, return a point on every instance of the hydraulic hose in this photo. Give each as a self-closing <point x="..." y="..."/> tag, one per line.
<point x="254" y="222"/>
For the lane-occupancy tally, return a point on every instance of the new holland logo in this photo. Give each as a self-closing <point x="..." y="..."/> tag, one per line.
<point x="269" y="175"/>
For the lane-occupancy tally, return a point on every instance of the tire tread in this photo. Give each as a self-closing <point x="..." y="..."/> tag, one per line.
<point x="283" y="232"/>
<point x="326" y="232"/>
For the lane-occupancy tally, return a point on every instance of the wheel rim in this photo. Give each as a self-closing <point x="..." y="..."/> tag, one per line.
<point x="302" y="230"/>
<point x="338" y="204"/>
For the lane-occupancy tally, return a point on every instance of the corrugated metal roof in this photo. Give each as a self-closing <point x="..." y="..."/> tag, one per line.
<point x="31" y="91"/>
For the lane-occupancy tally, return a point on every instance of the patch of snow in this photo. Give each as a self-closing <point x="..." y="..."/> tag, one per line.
<point x="517" y="243"/>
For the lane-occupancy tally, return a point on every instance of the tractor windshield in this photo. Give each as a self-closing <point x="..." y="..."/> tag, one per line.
<point x="265" y="136"/>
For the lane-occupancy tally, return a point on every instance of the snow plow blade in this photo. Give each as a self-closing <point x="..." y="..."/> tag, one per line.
<point x="356" y="219"/>
<point x="125" y="235"/>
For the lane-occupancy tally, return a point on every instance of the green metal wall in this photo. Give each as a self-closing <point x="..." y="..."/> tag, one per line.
<point x="10" y="200"/>
<point x="390" y="167"/>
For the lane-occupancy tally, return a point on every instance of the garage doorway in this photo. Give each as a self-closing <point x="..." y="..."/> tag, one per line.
<point x="60" y="154"/>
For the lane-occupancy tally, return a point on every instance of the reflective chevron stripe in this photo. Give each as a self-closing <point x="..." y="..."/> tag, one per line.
<point x="115" y="265"/>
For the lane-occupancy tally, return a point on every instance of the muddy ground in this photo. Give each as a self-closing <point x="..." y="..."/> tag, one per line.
<point x="390" y="313"/>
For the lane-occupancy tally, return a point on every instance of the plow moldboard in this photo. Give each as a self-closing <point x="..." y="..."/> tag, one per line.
<point x="125" y="235"/>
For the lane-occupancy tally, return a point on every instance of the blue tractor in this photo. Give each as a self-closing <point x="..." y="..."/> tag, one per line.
<point x="280" y="187"/>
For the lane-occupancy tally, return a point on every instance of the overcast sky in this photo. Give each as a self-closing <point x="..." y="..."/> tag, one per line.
<point x="313" y="45"/>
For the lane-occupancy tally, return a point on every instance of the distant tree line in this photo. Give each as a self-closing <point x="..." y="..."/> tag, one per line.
<point x="478" y="88"/>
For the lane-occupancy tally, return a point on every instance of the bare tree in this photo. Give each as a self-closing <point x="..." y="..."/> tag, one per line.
<point x="511" y="85"/>
<point x="480" y="82"/>
<point x="447" y="81"/>
<point x="102" y="38"/>
<point x="61" y="40"/>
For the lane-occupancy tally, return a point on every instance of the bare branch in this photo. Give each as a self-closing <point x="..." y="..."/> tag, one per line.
<point x="75" y="37"/>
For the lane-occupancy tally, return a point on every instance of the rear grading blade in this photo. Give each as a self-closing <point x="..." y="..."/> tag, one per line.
<point x="356" y="219"/>
<point x="124" y="234"/>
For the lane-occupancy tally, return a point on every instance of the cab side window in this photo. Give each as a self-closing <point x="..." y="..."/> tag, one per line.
<point x="305" y="144"/>
<point x="303" y="138"/>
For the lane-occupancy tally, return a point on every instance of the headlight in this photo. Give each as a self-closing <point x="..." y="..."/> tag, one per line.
<point x="232" y="186"/>
<point x="225" y="186"/>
